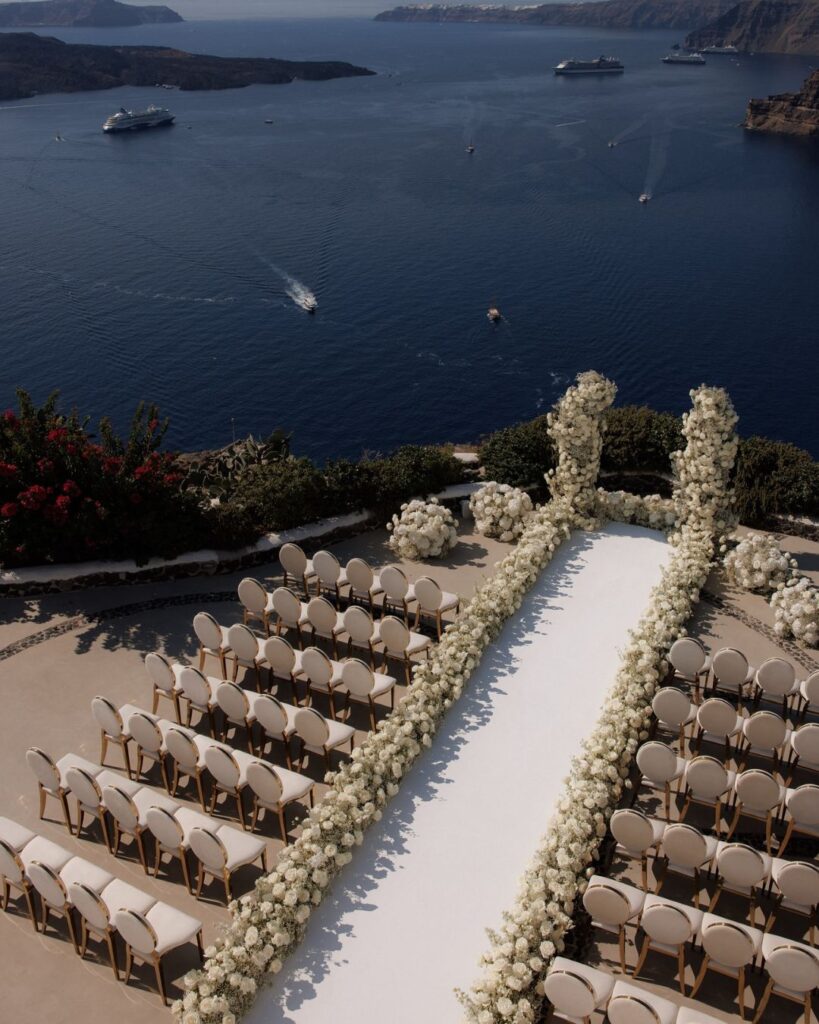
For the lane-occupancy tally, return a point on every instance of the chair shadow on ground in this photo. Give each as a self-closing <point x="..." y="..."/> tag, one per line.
<point x="386" y="843"/>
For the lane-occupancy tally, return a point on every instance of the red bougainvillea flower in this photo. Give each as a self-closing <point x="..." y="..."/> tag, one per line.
<point x="112" y="464"/>
<point x="45" y="465"/>
<point x="56" y="435"/>
<point x="71" y="449"/>
<point x="8" y="510"/>
<point x="63" y="503"/>
<point x="153" y="424"/>
<point x="33" y="498"/>
<point x="10" y="419"/>
<point x="171" y="478"/>
<point x="71" y="489"/>
<point x="142" y="471"/>
<point x="8" y="469"/>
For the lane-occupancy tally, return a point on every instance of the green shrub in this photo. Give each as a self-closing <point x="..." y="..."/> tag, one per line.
<point x="280" y="494"/>
<point x="519" y="455"/>
<point x="411" y="471"/>
<point x="638" y="438"/>
<point x="774" y="478"/>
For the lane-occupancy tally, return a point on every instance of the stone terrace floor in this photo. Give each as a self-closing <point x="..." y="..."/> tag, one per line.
<point x="59" y="651"/>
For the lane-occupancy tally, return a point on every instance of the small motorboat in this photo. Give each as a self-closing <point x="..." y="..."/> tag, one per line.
<point x="470" y="149"/>
<point x="644" y="197"/>
<point x="269" y="120"/>
<point x="494" y="314"/>
<point x="309" y="306"/>
<point x="612" y="145"/>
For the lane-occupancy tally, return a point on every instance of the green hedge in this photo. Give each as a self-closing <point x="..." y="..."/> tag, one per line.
<point x="519" y="455"/>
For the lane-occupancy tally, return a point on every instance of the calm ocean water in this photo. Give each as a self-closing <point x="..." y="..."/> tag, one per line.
<point x="159" y="266"/>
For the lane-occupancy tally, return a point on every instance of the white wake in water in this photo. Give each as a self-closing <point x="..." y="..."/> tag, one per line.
<point x="657" y="161"/>
<point x="296" y="290"/>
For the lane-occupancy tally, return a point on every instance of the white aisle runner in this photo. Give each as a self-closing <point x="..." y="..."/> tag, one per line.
<point x="405" y="921"/>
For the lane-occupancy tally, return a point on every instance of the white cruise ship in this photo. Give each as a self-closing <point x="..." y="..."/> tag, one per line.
<point x="678" y="57"/>
<point x="601" y="66"/>
<point x="132" y="120"/>
<point x="728" y="50"/>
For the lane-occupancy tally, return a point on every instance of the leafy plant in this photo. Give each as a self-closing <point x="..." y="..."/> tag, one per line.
<point x="519" y="455"/>
<point x="774" y="478"/>
<point x="638" y="438"/>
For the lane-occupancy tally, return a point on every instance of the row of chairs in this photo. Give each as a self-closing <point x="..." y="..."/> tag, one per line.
<point x="728" y="670"/>
<point x="107" y="907"/>
<point x="325" y="573"/>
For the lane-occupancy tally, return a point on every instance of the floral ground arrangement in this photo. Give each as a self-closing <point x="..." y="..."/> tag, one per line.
<point x="268" y="924"/>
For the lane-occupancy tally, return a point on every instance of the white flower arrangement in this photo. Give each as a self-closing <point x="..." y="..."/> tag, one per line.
<point x="500" y="511"/>
<point x="576" y="425"/>
<point x="796" y="610"/>
<point x="425" y="529"/>
<point x="649" y="510"/>
<point x="758" y="563"/>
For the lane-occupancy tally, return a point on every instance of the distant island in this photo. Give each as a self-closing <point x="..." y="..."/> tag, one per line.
<point x="790" y="113"/>
<point x="83" y="13"/>
<point x="764" y="26"/>
<point x="31" y="64"/>
<point x="618" y="14"/>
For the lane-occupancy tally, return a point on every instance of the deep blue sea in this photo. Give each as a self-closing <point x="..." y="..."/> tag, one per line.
<point x="161" y="266"/>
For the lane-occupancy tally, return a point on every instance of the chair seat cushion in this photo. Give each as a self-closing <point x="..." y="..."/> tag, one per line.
<point x="82" y="871"/>
<point x="383" y="684"/>
<point x="147" y="797"/>
<point x="448" y="602"/>
<point x="119" y="895"/>
<point x="109" y="778"/>
<point x="339" y="733"/>
<point x="17" y="836"/>
<point x="374" y="590"/>
<point x="190" y="819"/>
<point x="75" y="761"/>
<point x="417" y="642"/>
<point x="694" y="916"/>
<point x="46" y="852"/>
<point x="665" y="1010"/>
<point x="172" y="927"/>
<point x="125" y="713"/>
<point x="241" y="847"/>
<point x="294" y="786"/>
<point x="636" y="897"/>
<point x="202" y="743"/>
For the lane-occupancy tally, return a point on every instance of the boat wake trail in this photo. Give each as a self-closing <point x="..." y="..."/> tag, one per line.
<point x="657" y="161"/>
<point x="298" y="291"/>
<point x="626" y="132"/>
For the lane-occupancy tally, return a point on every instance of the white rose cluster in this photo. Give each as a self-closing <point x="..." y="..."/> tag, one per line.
<point x="758" y="563"/>
<point x="576" y="426"/>
<point x="500" y="511"/>
<point x="425" y="529"/>
<point x="649" y="510"/>
<point x="796" y="610"/>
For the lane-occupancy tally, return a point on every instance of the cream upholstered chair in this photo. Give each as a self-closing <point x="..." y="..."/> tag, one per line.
<point x="612" y="905"/>
<point x="362" y="685"/>
<point x="729" y="949"/>
<point x="668" y="926"/>
<point x="742" y="870"/>
<point x="637" y="834"/>
<point x="757" y="795"/>
<point x="319" y="735"/>
<point x="221" y="851"/>
<point x="323" y="675"/>
<point x="718" y="722"/>
<point x="803" y="746"/>
<point x="53" y="887"/>
<point x="433" y="602"/>
<point x="283" y="662"/>
<point x="776" y="683"/>
<point x="764" y="734"/>
<point x="15" y="835"/>
<point x="238" y="710"/>
<point x="690" y="662"/>
<point x="129" y="810"/>
<point x="291" y="613"/>
<point x="809" y="693"/>
<point x="246" y="652"/>
<point x="14" y="864"/>
<point x="149" y="936"/>
<point x="51" y="777"/>
<point x="276" y="720"/>
<point x="172" y="836"/>
<point x="213" y="640"/>
<point x="199" y="691"/>
<point x="575" y="990"/>
<point x="399" y="593"/>
<point x="186" y="749"/>
<point x="165" y="681"/>
<point x="793" y="973"/>
<point x="88" y="798"/>
<point x="802" y="809"/>
<point x="330" y="576"/>
<point x="731" y="673"/>
<point x="256" y="602"/>
<point x="401" y="643"/>
<point x="229" y="773"/>
<point x="273" y="789"/>
<point x="660" y="766"/>
<point x="96" y="910"/>
<point x="631" y="1004"/>
<point x="707" y="781"/>
<point x="362" y="631"/>
<point x="297" y="567"/>
<point x="674" y="711"/>
<point x="111" y="721"/>
<point x="364" y="584"/>
<point x="325" y="622"/>
<point x="150" y="743"/>
<point x="686" y="851"/>
<point x="796" y="883"/>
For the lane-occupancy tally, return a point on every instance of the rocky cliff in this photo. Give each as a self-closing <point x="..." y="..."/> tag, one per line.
<point x="620" y="14"/>
<point x="86" y="13"/>
<point x="32" y="64"/>
<point x="790" y="113"/>
<point x="764" y="26"/>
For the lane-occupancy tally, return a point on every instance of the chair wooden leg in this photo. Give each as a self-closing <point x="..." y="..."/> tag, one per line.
<point x="103" y="746"/>
<point x="66" y="813"/>
<point x="200" y="878"/>
<point x="283" y="825"/>
<point x="700" y="977"/>
<point x="129" y="963"/>
<point x="622" y="944"/>
<point x="681" y="968"/>
<point x="199" y="789"/>
<point x="155" y="700"/>
<point x="126" y="757"/>
<point x="141" y="851"/>
<point x="112" y="953"/>
<point x="226" y="877"/>
<point x="185" y="872"/>
<point x="241" y="810"/>
<point x="642" y="958"/>
<point x="30" y="904"/>
<point x="69" y="920"/>
<point x="160" y="980"/>
<point x="741" y="992"/>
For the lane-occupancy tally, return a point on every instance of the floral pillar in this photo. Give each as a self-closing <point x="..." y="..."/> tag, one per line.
<point x="576" y="427"/>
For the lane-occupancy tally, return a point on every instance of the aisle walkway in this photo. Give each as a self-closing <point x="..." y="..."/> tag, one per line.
<point x="406" y="920"/>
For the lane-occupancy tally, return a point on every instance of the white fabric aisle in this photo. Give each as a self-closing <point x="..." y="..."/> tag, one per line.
<point x="405" y="921"/>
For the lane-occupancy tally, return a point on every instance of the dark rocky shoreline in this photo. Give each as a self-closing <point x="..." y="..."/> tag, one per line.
<point x="83" y="14"/>
<point x="790" y="113"/>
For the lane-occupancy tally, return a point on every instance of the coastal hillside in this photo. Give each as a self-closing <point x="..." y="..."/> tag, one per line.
<point x="764" y="26"/>
<point x="32" y="64"/>
<point x="790" y="113"/>
<point x="617" y="14"/>
<point x="82" y="13"/>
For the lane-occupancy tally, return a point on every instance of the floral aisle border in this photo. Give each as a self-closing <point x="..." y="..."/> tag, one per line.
<point x="510" y="986"/>
<point x="268" y="923"/>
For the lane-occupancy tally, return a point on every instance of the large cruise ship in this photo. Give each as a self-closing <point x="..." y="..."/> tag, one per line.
<point x="727" y="50"/>
<point x="601" y="66"/>
<point x="678" y="57"/>
<point x="132" y="120"/>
